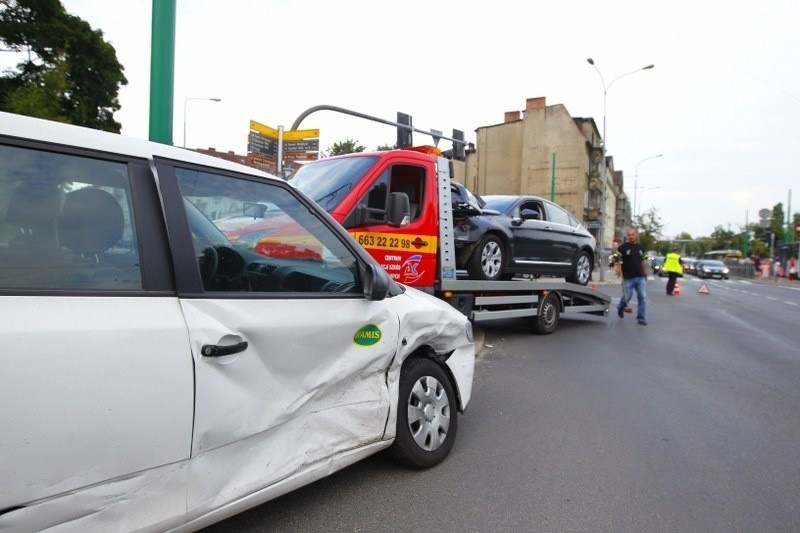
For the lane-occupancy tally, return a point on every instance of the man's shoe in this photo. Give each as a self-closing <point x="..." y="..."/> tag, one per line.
<point x="620" y="312"/>
<point x="642" y="321"/>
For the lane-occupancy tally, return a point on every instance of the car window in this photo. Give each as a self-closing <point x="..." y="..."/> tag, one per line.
<point x="285" y="248"/>
<point x="65" y="222"/>
<point x="557" y="214"/>
<point x="499" y="203"/>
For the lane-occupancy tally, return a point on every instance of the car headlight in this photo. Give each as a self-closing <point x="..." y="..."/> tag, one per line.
<point x="468" y="331"/>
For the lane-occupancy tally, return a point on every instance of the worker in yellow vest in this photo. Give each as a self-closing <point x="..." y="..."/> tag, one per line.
<point x="673" y="266"/>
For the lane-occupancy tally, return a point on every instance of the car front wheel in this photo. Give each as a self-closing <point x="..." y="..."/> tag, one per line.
<point x="487" y="260"/>
<point x="426" y="415"/>
<point x="581" y="270"/>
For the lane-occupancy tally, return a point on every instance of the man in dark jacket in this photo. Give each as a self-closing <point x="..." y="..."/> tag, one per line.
<point x="633" y="268"/>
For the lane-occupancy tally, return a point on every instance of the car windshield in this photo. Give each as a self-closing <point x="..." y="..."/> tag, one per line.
<point x="499" y="203"/>
<point x="713" y="263"/>
<point x="327" y="182"/>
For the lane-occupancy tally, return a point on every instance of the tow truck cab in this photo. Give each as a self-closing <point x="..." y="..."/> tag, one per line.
<point x="388" y="201"/>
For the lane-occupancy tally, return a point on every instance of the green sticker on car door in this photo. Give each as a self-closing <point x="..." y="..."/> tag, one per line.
<point x="368" y="335"/>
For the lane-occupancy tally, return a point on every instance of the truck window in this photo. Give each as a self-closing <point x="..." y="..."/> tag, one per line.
<point x="397" y="178"/>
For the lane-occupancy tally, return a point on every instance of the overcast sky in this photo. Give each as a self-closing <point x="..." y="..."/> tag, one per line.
<point x="721" y="104"/>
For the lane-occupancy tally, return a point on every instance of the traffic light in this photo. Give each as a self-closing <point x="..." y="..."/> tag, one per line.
<point x="459" y="148"/>
<point x="404" y="134"/>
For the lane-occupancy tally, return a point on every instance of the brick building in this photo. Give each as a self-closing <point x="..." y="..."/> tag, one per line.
<point x="544" y="151"/>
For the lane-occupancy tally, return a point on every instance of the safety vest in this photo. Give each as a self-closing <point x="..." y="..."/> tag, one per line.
<point x="672" y="263"/>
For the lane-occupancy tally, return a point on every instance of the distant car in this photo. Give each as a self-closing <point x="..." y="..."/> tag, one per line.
<point x="712" y="268"/>
<point x="689" y="265"/>
<point x="499" y="236"/>
<point x="657" y="264"/>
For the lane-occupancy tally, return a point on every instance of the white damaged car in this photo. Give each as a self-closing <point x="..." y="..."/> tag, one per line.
<point x="160" y="374"/>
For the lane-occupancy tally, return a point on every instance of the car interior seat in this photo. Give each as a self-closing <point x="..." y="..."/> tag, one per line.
<point x="31" y="248"/>
<point x="33" y="209"/>
<point x="91" y="222"/>
<point x="413" y="202"/>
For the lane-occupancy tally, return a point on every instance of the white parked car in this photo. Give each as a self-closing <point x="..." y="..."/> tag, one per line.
<point x="158" y="377"/>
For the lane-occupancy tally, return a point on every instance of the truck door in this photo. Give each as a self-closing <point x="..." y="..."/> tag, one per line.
<point x="407" y="253"/>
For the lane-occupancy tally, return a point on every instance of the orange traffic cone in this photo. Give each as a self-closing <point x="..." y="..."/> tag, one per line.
<point x="677" y="289"/>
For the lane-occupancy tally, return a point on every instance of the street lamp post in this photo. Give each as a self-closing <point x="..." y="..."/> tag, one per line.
<point x="643" y="189"/>
<point x="185" y="102"/>
<point x="600" y="231"/>
<point x="636" y="180"/>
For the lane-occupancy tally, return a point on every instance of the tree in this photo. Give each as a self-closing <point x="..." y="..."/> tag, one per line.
<point x="777" y="223"/>
<point x="71" y="74"/>
<point x="348" y="146"/>
<point x="650" y="227"/>
<point x="722" y="239"/>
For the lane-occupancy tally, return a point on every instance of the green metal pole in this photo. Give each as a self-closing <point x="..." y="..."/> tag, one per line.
<point x="789" y="229"/>
<point x="162" y="71"/>
<point x="553" y="180"/>
<point x="746" y="236"/>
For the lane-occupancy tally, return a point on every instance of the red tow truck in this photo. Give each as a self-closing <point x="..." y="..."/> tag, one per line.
<point x="397" y="204"/>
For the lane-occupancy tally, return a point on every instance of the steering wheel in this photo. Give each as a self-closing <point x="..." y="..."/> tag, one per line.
<point x="208" y="262"/>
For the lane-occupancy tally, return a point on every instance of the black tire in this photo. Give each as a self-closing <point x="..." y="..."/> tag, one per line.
<point x="427" y="395"/>
<point x="581" y="270"/>
<point x="488" y="260"/>
<point x="546" y="320"/>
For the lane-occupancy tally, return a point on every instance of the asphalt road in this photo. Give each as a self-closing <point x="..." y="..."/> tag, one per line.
<point x="691" y="423"/>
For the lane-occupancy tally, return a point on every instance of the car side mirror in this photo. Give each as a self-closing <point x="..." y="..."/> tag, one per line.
<point x="376" y="282"/>
<point x="530" y="214"/>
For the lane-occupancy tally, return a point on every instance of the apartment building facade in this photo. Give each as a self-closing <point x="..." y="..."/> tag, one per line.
<point x="544" y="151"/>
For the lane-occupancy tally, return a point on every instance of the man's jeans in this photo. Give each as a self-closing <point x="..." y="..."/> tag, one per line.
<point x="638" y="284"/>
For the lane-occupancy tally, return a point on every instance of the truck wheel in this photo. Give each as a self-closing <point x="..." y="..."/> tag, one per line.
<point x="546" y="320"/>
<point x="581" y="270"/>
<point x="487" y="260"/>
<point x="426" y="415"/>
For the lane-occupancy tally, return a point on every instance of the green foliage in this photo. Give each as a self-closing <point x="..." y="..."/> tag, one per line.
<point x="71" y="74"/>
<point x="385" y="147"/>
<point x="348" y="146"/>
<point x="650" y="228"/>
<point x="777" y="223"/>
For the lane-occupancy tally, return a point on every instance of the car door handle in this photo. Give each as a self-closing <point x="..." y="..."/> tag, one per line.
<point x="212" y="350"/>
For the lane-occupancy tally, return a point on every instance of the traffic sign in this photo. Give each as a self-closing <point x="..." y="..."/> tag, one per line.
<point x="299" y="135"/>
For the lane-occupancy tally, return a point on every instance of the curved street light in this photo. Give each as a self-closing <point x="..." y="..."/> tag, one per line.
<point x="643" y="189"/>
<point x="606" y="87"/>
<point x="185" y="102"/>
<point x="636" y="180"/>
